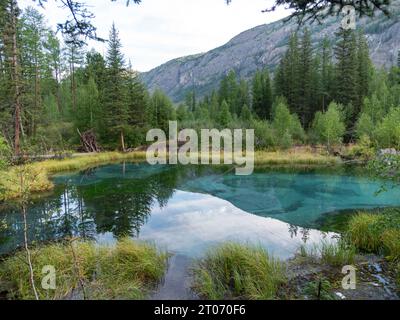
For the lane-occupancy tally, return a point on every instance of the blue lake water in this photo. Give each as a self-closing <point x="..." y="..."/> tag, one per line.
<point x="188" y="209"/>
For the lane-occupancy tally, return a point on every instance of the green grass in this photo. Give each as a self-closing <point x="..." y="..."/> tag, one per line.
<point x="364" y="233"/>
<point x="293" y="157"/>
<point x="125" y="271"/>
<point x="238" y="271"/>
<point x="331" y="253"/>
<point x="376" y="233"/>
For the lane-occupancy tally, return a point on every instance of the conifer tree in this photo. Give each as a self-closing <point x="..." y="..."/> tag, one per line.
<point x="262" y="94"/>
<point x="364" y="71"/>
<point x="346" y="68"/>
<point x="115" y="97"/>
<point x="306" y="74"/>
<point x="327" y="74"/>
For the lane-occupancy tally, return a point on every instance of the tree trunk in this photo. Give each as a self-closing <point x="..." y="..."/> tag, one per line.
<point x="73" y="84"/>
<point x="123" y="141"/>
<point x="15" y="78"/>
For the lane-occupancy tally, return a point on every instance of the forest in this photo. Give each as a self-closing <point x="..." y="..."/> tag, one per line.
<point x="51" y="91"/>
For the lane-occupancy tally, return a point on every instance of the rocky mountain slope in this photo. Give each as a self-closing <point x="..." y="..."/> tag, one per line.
<point x="262" y="47"/>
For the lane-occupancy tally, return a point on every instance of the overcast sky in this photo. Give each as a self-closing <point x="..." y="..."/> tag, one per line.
<point x="160" y="30"/>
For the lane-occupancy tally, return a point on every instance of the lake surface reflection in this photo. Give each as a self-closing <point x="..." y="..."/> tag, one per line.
<point x="188" y="209"/>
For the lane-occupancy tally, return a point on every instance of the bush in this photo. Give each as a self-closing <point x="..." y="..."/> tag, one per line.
<point x="365" y="126"/>
<point x="287" y="127"/>
<point x="238" y="271"/>
<point x="329" y="127"/>
<point x="5" y="153"/>
<point x="388" y="131"/>
<point x="320" y="289"/>
<point x="264" y="135"/>
<point x="363" y="149"/>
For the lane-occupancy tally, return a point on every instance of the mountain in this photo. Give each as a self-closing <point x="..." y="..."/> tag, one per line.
<point x="262" y="47"/>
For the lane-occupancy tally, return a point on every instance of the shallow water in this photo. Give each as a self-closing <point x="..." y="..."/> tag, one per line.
<point x="188" y="209"/>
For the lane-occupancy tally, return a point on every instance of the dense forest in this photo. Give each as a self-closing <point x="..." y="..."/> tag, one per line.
<point x="52" y="89"/>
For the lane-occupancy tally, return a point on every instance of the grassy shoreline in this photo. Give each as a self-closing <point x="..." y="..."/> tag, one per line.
<point x="41" y="172"/>
<point x="86" y="270"/>
<point x="227" y="271"/>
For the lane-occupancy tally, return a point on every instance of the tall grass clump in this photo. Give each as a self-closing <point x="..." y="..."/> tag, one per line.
<point x="376" y="233"/>
<point x="234" y="270"/>
<point x="337" y="253"/>
<point x="126" y="270"/>
<point x="364" y="232"/>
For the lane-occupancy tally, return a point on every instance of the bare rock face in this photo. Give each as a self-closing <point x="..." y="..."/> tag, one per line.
<point x="263" y="46"/>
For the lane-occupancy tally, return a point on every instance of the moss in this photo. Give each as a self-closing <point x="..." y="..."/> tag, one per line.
<point x="125" y="271"/>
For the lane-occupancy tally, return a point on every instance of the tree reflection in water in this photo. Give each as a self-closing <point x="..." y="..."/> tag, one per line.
<point x="92" y="202"/>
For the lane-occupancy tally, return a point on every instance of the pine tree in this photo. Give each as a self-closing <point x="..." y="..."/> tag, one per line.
<point x="327" y="74"/>
<point x="262" y="94"/>
<point x="288" y="80"/>
<point x="137" y="99"/>
<point x="346" y="69"/>
<point x="115" y="96"/>
<point x="228" y="91"/>
<point x="398" y="59"/>
<point x="225" y="116"/>
<point x="305" y="85"/>
<point x="364" y="71"/>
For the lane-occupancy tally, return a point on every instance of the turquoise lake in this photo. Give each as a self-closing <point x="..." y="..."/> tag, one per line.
<point x="188" y="209"/>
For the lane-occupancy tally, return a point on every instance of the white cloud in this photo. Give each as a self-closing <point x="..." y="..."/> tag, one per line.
<point x="160" y="30"/>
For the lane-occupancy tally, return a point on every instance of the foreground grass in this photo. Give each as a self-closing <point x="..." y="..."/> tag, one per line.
<point x="124" y="271"/>
<point x="335" y="254"/>
<point x="238" y="271"/>
<point x="379" y="234"/>
<point x="376" y="233"/>
<point x="41" y="171"/>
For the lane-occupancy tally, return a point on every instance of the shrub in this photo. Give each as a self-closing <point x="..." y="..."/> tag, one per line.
<point x="329" y="127"/>
<point x="287" y="127"/>
<point x="365" y="126"/>
<point x="5" y="153"/>
<point x="319" y="289"/>
<point x="238" y="271"/>
<point x="388" y="131"/>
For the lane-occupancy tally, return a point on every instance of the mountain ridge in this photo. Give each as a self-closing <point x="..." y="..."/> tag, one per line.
<point x="262" y="46"/>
